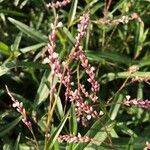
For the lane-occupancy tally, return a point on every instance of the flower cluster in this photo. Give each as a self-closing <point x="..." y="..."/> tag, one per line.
<point x="137" y="102"/>
<point x="123" y="19"/>
<point x="19" y="107"/>
<point x="58" y="4"/>
<point x="82" y="107"/>
<point x="82" y="27"/>
<point x="90" y="72"/>
<point x="53" y="56"/>
<point x="67" y="82"/>
<point x="74" y="139"/>
<point x="133" y="69"/>
<point x="83" y="110"/>
<point x="79" y="54"/>
<point x="141" y="79"/>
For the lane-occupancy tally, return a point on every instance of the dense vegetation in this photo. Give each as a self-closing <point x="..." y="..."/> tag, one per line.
<point x="47" y="54"/>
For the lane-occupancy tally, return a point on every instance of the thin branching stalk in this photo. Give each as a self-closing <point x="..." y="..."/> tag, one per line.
<point x="132" y="70"/>
<point x="35" y="140"/>
<point x="20" y="108"/>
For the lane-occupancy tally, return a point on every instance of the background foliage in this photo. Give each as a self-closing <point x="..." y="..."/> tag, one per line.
<point x="111" y="48"/>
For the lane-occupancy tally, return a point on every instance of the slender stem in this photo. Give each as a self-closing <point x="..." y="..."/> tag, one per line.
<point x="122" y="86"/>
<point x="49" y="111"/>
<point x="51" y="107"/>
<point x="78" y="76"/>
<point x="36" y="143"/>
<point x="55" y="100"/>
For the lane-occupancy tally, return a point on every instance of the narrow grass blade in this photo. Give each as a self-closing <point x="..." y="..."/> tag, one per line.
<point x="6" y="128"/>
<point x="115" y="108"/>
<point x="4" y="48"/>
<point x="117" y="6"/>
<point x="4" y="68"/>
<point x="72" y="12"/>
<point x="73" y="121"/>
<point x="16" y="146"/>
<point x="144" y="62"/>
<point x="12" y="13"/>
<point x="56" y="146"/>
<point x="97" y="131"/>
<point x="112" y="76"/>
<point x="17" y="41"/>
<point x="43" y="90"/>
<point x="59" y="107"/>
<point x="73" y="126"/>
<point x="96" y="7"/>
<point x="108" y="56"/>
<point x="32" y="48"/>
<point x="140" y="38"/>
<point x="29" y="31"/>
<point x="140" y="91"/>
<point x="57" y="132"/>
<point x="69" y="35"/>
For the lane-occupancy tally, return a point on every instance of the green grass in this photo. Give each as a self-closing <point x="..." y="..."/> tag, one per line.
<point x="111" y="48"/>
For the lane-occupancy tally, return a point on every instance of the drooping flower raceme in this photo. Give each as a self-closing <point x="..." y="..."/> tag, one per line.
<point x="19" y="107"/>
<point x="138" y="102"/>
<point x="83" y="110"/>
<point x="58" y="4"/>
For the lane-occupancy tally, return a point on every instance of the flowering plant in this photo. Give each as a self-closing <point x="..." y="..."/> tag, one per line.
<point x="73" y="74"/>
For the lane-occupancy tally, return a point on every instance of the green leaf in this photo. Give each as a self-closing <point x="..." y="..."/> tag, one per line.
<point x="43" y="90"/>
<point x="56" y="146"/>
<point x="99" y="131"/>
<point x="73" y="125"/>
<point x="17" y="41"/>
<point x="12" y="13"/>
<point x="59" y="107"/>
<point x="117" y="104"/>
<point x="16" y="146"/>
<point x="3" y="115"/>
<point x="96" y="7"/>
<point x="112" y="76"/>
<point x="144" y="62"/>
<point x="126" y="130"/>
<point x="140" y="38"/>
<point x="26" y="146"/>
<point x="4" y="48"/>
<point x="108" y="56"/>
<point x="117" y="6"/>
<point x="4" y="68"/>
<point x="32" y="48"/>
<point x="56" y="133"/>
<point x="73" y="121"/>
<point x="140" y="91"/>
<point x="120" y="143"/>
<point x="29" y="31"/>
<point x="72" y="12"/>
<point x="140" y="142"/>
<point x="69" y="35"/>
<point x="8" y="127"/>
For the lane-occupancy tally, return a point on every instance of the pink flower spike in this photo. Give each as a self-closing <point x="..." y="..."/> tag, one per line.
<point x="138" y="102"/>
<point x="58" y="4"/>
<point x="19" y="107"/>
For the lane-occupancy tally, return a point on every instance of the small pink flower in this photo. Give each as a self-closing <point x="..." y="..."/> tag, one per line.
<point x="19" y="107"/>
<point x="138" y="102"/>
<point x="58" y="4"/>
